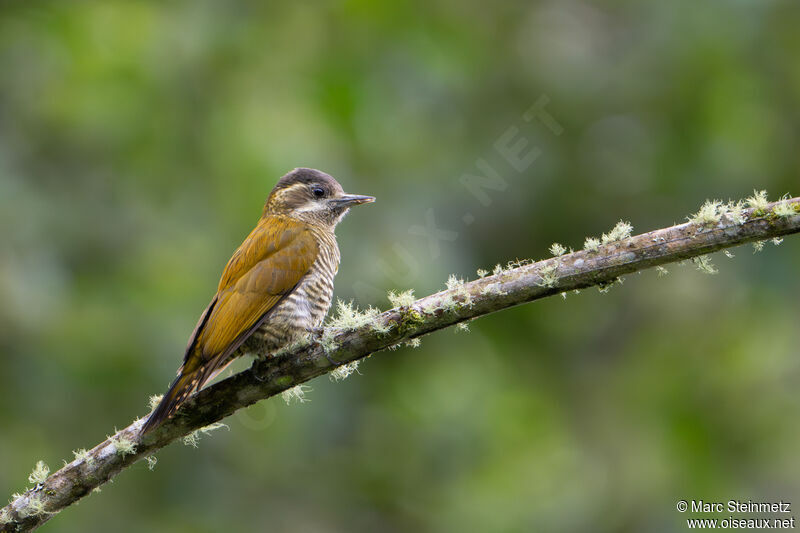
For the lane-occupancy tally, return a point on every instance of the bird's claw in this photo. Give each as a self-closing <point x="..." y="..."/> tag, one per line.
<point x="316" y="335"/>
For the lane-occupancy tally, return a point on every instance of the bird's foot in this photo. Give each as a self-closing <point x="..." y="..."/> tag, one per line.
<point x="330" y="359"/>
<point x="316" y="335"/>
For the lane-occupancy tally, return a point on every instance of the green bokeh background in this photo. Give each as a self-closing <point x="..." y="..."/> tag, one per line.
<point x="138" y="141"/>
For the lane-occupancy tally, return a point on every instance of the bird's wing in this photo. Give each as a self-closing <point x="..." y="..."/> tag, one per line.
<point x="270" y="263"/>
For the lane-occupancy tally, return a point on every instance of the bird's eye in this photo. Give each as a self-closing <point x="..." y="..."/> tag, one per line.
<point x="319" y="192"/>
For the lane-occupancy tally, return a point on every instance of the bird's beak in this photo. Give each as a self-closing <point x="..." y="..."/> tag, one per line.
<point x="347" y="200"/>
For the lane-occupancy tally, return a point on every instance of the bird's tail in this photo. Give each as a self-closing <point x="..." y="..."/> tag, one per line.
<point x="178" y="392"/>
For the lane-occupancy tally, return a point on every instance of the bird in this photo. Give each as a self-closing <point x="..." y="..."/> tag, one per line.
<point x="276" y="288"/>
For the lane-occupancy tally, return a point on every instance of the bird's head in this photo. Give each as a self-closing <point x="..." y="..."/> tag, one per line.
<point x="313" y="197"/>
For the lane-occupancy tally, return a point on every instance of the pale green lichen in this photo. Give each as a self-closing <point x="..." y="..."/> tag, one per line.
<point x="482" y="273"/>
<point x="498" y="269"/>
<point x="557" y="249"/>
<point x="448" y="303"/>
<point x="349" y="316"/>
<point x="35" y="507"/>
<point x="493" y="288"/>
<point x="605" y="286"/>
<point x="454" y="282"/>
<point x="777" y="241"/>
<point x="462" y="326"/>
<point x="736" y="212"/>
<point x="381" y="326"/>
<point x="193" y="438"/>
<point x="344" y="371"/>
<point x="518" y="263"/>
<point x="297" y="393"/>
<point x="728" y="254"/>
<point x="758" y="201"/>
<point x="783" y="208"/>
<point x="758" y="246"/>
<point x="5" y="517"/>
<point x="155" y="400"/>
<point x="327" y="341"/>
<point x="662" y="271"/>
<point x="39" y="473"/>
<point x="151" y="462"/>
<point x="414" y="343"/>
<point x="548" y="275"/>
<point x="705" y="265"/>
<point x="123" y="445"/>
<point x="591" y="244"/>
<point x="466" y="297"/>
<point x="402" y="299"/>
<point x="83" y="456"/>
<point x="621" y="231"/>
<point x="710" y="213"/>
<point x="456" y="285"/>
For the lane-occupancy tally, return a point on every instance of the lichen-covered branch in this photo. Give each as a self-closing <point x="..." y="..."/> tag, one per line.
<point x="356" y="335"/>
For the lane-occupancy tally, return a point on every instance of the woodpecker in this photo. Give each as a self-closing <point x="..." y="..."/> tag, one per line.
<point x="276" y="288"/>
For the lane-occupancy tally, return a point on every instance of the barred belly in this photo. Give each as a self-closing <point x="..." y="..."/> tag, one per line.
<point x="304" y="308"/>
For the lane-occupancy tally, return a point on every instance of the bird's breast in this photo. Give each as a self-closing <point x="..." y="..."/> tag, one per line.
<point x="305" y="307"/>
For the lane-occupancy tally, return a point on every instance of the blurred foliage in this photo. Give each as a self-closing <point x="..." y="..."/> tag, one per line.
<point x="138" y="141"/>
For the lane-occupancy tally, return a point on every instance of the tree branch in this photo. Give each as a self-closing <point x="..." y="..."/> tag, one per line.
<point x="717" y="228"/>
